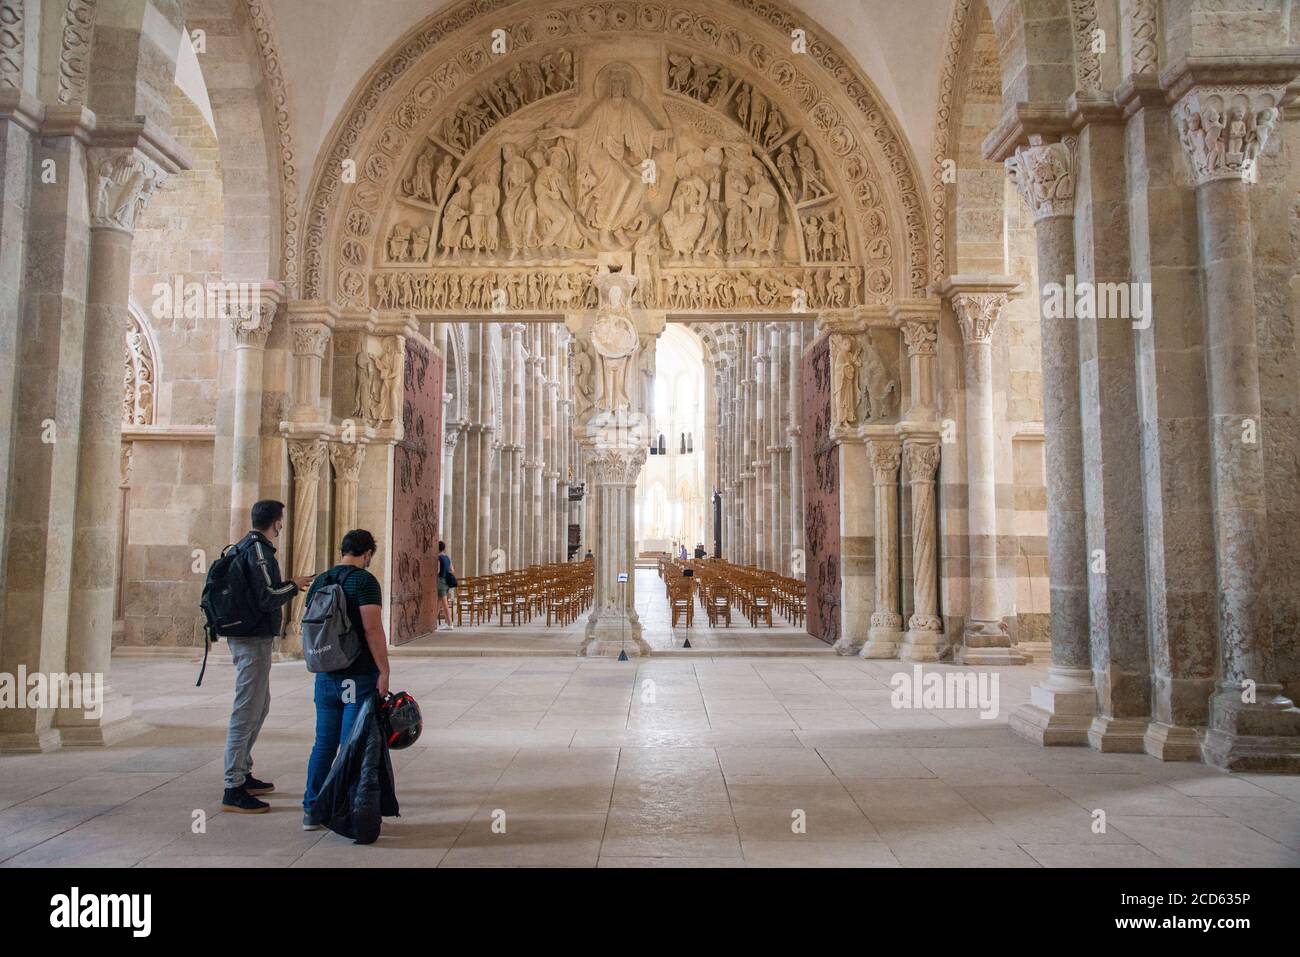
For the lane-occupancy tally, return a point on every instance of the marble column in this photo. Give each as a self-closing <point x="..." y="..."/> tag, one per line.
<point x="347" y="458"/>
<point x="978" y="302"/>
<point x="123" y="180"/>
<point x="1061" y="708"/>
<point x="250" y="327"/>
<point x="311" y="339"/>
<point x="1253" y="724"/>
<point x="886" y="631"/>
<point x="924" y="640"/>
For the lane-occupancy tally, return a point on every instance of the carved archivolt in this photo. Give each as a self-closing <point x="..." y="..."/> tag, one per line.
<point x="264" y="33"/>
<point x="538" y="157"/>
<point x="11" y="44"/>
<point x="74" y="57"/>
<point x="1087" y="59"/>
<point x="141" y="375"/>
<point x="942" y="145"/>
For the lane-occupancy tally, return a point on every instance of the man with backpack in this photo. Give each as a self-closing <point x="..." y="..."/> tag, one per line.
<point x="345" y="645"/>
<point x="246" y="612"/>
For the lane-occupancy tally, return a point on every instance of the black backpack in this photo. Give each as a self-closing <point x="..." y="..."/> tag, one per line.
<point x="228" y="603"/>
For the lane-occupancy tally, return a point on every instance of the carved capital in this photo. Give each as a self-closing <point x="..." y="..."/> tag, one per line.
<point x="921" y="337"/>
<point x="885" y="460"/>
<point x="978" y="313"/>
<point x="251" y="323"/>
<point x="1043" y="173"/>
<point x="616" y="466"/>
<point x="307" y="457"/>
<point x="1224" y="129"/>
<point x="310" y="339"/>
<point x="922" y="461"/>
<point x="122" y="181"/>
<point x="347" y="458"/>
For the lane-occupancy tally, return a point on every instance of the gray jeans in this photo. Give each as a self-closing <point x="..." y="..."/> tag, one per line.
<point x="252" y="657"/>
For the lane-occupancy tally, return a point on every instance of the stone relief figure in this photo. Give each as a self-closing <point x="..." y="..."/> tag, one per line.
<point x="684" y="221"/>
<point x="485" y="199"/>
<point x="763" y="211"/>
<point x="388" y="368"/>
<point x="399" y="243"/>
<point x="614" y="339"/>
<point x="519" y="210"/>
<point x="364" y="405"/>
<point x="455" y="218"/>
<point x="557" y="221"/>
<point x="420" y="185"/>
<point x="583" y="378"/>
<point x="879" y="386"/>
<point x="123" y="189"/>
<point x="645" y="266"/>
<point x="809" y="172"/>
<point x="846" y="361"/>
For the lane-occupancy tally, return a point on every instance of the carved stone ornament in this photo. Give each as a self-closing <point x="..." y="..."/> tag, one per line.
<point x="885" y="460"/>
<point x="880" y="387"/>
<point x="1043" y="173"/>
<point x="922" y="338"/>
<point x="347" y="459"/>
<point x="977" y="314"/>
<point x="846" y="377"/>
<point x="922" y="461"/>
<point x="1224" y="130"/>
<point x="310" y="340"/>
<point x="378" y="377"/>
<point x="617" y="466"/>
<point x="615" y="341"/>
<point x="11" y="44"/>
<point x="140" y="377"/>
<point x="251" y="323"/>
<point x="122" y="187"/>
<point x="307" y="458"/>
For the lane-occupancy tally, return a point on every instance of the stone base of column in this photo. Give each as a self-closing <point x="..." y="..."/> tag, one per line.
<point x="923" y="643"/>
<point x="612" y="634"/>
<point x="848" y="645"/>
<point x="1118" y="735"/>
<point x="1263" y="736"/>
<point x="1171" y="742"/>
<point x="883" y="637"/>
<point x="1060" y="710"/>
<point x="987" y="643"/>
<point x="116" y="722"/>
<point x="30" y="742"/>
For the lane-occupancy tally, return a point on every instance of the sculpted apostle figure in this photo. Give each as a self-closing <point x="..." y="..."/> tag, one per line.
<point x="846" y="362"/>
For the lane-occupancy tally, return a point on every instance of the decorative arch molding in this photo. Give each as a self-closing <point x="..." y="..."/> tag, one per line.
<point x="141" y="373"/>
<point x="12" y="44"/>
<point x="1087" y="60"/>
<point x="942" y="143"/>
<point x="74" y="53"/>
<point x="263" y="27"/>
<point x="445" y="63"/>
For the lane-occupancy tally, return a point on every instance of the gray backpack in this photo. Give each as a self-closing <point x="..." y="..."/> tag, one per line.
<point x="329" y="642"/>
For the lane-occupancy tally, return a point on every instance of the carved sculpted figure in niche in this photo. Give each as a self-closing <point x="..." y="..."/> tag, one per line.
<point x="455" y="218"/>
<point x="519" y="212"/>
<point x="880" y="387"/>
<point x="846" y="361"/>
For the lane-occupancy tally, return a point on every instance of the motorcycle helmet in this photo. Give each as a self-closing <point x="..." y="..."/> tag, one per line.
<point x="399" y="719"/>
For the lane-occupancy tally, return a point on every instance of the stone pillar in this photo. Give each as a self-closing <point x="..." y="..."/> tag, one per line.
<point x="347" y="458"/>
<point x="250" y="327"/>
<point x="1253" y="724"/>
<point x="978" y="302"/>
<point x="123" y="181"/>
<point x="311" y="338"/>
<point x="613" y="626"/>
<point x="307" y="456"/>
<point x="924" y="640"/>
<point x="1061" y="708"/>
<point x="886" y="631"/>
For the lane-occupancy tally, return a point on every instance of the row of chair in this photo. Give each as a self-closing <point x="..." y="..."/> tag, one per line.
<point x="560" y="591"/>
<point x="720" y="586"/>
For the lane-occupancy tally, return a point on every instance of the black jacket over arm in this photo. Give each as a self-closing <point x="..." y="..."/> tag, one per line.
<point x="270" y="591"/>
<point x="359" y="791"/>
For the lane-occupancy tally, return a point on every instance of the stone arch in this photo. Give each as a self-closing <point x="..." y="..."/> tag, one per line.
<point x="431" y="72"/>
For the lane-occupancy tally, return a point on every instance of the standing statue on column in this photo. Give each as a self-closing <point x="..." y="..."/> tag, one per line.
<point x="614" y="338"/>
<point x="846" y="363"/>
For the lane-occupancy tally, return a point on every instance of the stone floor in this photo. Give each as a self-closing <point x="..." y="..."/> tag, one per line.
<point x="535" y="638"/>
<point x="657" y="762"/>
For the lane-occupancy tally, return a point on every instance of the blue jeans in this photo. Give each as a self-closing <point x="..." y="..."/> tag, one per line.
<point x="338" y="701"/>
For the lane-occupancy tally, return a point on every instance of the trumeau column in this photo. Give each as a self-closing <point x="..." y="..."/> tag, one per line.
<point x="924" y="640"/>
<point x="978" y="302"/>
<point x="122" y="183"/>
<point x="615" y="438"/>
<point x="1061" y="708"/>
<point x="886" y="631"/>
<point x="1224" y="129"/>
<point x="250" y="327"/>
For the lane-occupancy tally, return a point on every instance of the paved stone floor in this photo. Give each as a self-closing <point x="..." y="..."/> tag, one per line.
<point x="663" y="761"/>
<point x="535" y="638"/>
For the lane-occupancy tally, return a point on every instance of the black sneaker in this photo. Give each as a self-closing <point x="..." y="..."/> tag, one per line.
<point x="254" y="786"/>
<point x="239" y="801"/>
<point x="308" y="824"/>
